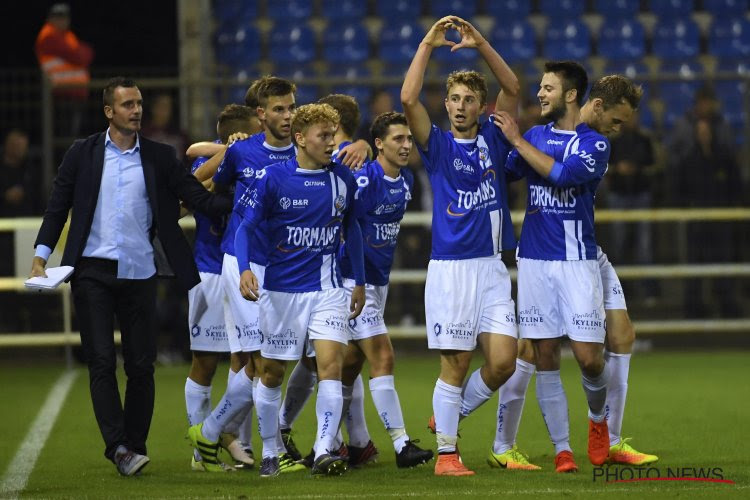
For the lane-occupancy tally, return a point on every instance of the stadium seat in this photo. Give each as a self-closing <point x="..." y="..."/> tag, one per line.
<point x="399" y="9"/>
<point x="292" y="43"/>
<point x="666" y="9"/>
<point x="645" y="116"/>
<point x="237" y="13"/>
<point x="567" y="40"/>
<point x="352" y="73"/>
<point x="617" y="9"/>
<point x="623" y="39"/>
<point x="399" y="41"/>
<point x="678" y="95"/>
<point x="289" y="10"/>
<point x="346" y="42"/>
<point x="738" y="66"/>
<point x="343" y="10"/>
<point x="465" y="9"/>
<point x="299" y="73"/>
<point x="726" y="8"/>
<point x="732" y="99"/>
<point x="631" y="69"/>
<point x="562" y="9"/>
<point x="508" y="10"/>
<point x="730" y="38"/>
<point x="240" y="48"/>
<point x="676" y="38"/>
<point x="515" y="40"/>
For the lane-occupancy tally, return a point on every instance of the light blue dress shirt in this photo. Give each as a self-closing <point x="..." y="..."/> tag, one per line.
<point x="122" y="219"/>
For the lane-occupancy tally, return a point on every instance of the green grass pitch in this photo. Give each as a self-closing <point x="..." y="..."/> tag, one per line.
<point x="691" y="409"/>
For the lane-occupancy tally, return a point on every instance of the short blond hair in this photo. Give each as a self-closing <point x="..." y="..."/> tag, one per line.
<point x="472" y="79"/>
<point x="311" y="114"/>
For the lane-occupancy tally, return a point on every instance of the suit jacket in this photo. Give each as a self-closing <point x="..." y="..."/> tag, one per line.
<point x="77" y="186"/>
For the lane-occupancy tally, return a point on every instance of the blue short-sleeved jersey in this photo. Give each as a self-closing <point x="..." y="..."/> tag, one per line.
<point x="208" y="234"/>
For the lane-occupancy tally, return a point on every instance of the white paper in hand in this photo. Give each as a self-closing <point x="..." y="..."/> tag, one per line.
<point x="55" y="276"/>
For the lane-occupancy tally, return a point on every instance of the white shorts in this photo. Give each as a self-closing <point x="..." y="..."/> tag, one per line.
<point x="246" y="336"/>
<point x="291" y="321"/>
<point x="464" y="298"/>
<point x="558" y="297"/>
<point x="370" y="322"/>
<point x="614" y="298"/>
<point x="208" y="331"/>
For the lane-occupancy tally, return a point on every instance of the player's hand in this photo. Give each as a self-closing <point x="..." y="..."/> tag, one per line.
<point x="357" y="302"/>
<point x="436" y="36"/>
<point x="237" y="136"/>
<point x="249" y="286"/>
<point x="37" y="268"/>
<point x="470" y="36"/>
<point x="508" y="125"/>
<point x="354" y="155"/>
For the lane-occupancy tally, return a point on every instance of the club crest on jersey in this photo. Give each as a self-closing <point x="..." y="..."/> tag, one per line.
<point x="340" y="203"/>
<point x="460" y="166"/>
<point x="285" y="203"/>
<point x="248" y="172"/>
<point x="483" y="154"/>
<point x="600" y="145"/>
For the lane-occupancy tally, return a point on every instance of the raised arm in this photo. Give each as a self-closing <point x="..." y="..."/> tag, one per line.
<point x="204" y="148"/>
<point x="507" y="99"/>
<point x="208" y="169"/>
<point x="416" y="113"/>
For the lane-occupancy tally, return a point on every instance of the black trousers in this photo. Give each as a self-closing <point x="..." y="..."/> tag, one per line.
<point x="99" y="296"/>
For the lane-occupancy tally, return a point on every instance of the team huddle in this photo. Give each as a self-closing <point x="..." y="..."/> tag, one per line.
<point x="300" y="270"/>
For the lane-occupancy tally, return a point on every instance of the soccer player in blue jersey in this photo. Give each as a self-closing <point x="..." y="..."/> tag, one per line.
<point x="206" y="315"/>
<point x="620" y="333"/>
<point x="560" y="291"/>
<point x="467" y="293"/>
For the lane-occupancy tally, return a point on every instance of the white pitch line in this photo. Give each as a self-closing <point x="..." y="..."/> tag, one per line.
<point x="20" y="467"/>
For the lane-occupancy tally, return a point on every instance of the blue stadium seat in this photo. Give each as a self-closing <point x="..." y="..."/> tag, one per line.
<point x="341" y="10"/>
<point x="399" y="41"/>
<point x="731" y="96"/>
<point x="465" y="9"/>
<point x="645" y="116"/>
<point x="245" y="76"/>
<point x="567" y="40"/>
<point x="444" y="54"/>
<point x="726" y="8"/>
<point x="292" y="44"/>
<point x="515" y="40"/>
<point x="289" y="10"/>
<point x="299" y="73"/>
<point x="235" y="12"/>
<point x="678" y="95"/>
<point x="449" y="66"/>
<point x="617" y="9"/>
<point x="239" y="48"/>
<point x="346" y="42"/>
<point x="509" y="10"/>
<point x="399" y="9"/>
<point x="352" y="73"/>
<point x="671" y="8"/>
<point x="632" y="69"/>
<point x="730" y="38"/>
<point x="623" y="39"/>
<point x="739" y="66"/>
<point x="562" y="9"/>
<point x="676" y="38"/>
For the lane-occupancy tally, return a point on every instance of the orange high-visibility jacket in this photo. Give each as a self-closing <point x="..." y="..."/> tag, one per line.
<point x="65" y="60"/>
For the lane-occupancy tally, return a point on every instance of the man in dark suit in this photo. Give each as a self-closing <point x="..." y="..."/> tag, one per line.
<point x="124" y="191"/>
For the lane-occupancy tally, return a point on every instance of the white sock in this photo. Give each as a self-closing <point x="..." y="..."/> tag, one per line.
<point x="554" y="405"/>
<point x="267" y="405"/>
<point x="237" y="398"/>
<point x="245" y="427"/>
<point x="198" y="404"/>
<point x="354" y="416"/>
<point x="233" y="427"/>
<point x="618" y="366"/>
<point x="299" y="387"/>
<point x="596" y="394"/>
<point x="475" y="392"/>
<point x="386" y="401"/>
<point x="511" y="398"/>
<point x="328" y="410"/>
<point x="446" y="404"/>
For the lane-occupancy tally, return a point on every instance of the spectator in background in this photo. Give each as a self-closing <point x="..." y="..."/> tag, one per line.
<point x="705" y="173"/>
<point x="162" y="128"/>
<point x="17" y="192"/>
<point x="629" y="182"/>
<point x="65" y="62"/>
<point x="380" y="102"/>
